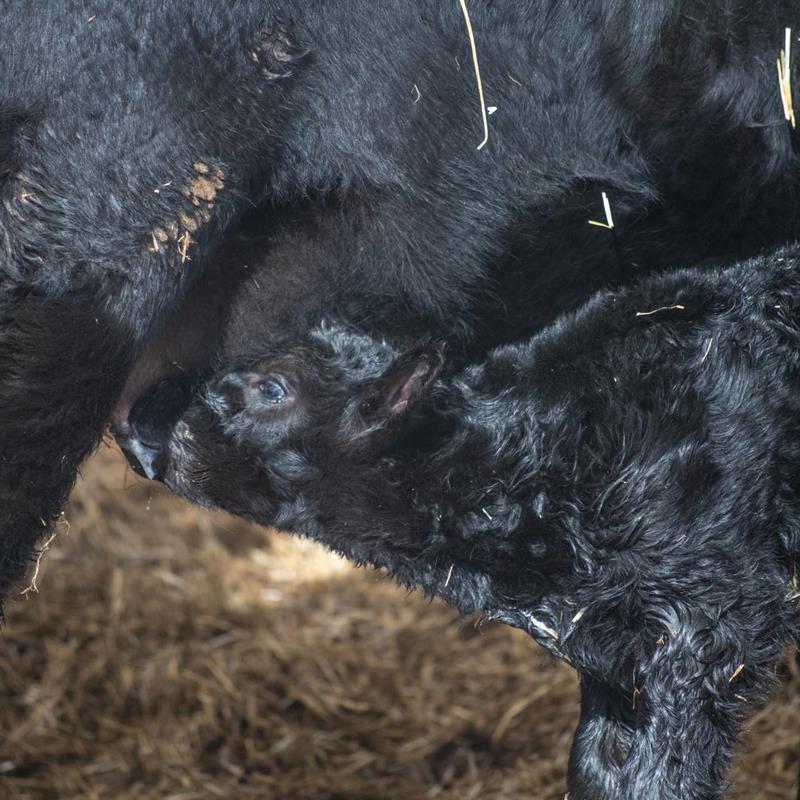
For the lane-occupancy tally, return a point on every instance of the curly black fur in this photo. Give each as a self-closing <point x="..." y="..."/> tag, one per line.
<point x="623" y="487"/>
<point x="133" y="139"/>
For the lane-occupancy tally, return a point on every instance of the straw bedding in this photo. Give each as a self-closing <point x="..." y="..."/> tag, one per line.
<point x="173" y="653"/>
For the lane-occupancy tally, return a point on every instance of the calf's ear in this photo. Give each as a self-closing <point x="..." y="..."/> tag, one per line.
<point x="407" y="380"/>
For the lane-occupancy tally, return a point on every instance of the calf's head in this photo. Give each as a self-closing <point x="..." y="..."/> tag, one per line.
<point x="306" y="414"/>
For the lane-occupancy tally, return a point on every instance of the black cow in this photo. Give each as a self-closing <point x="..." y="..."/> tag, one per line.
<point x="137" y="138"/>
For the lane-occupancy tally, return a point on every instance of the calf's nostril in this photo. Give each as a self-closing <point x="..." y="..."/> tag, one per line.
<point x="146" y="460"/>
<point x="148" y="435"/>
<point x="144" y="434"/>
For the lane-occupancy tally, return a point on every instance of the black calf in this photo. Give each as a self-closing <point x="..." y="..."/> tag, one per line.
<point x="623" y="487"/>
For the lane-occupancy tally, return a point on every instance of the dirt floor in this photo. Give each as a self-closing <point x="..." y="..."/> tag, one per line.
<point x="173" y="653"/>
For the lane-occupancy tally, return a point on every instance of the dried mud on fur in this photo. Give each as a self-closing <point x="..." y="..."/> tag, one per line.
<point x="200" y="193"/>
<point x="176" y="654"/>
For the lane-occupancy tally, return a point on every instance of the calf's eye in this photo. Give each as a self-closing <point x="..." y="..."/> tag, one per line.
<point x="273" y="391"/>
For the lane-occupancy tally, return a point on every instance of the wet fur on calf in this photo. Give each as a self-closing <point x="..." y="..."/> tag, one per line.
<point x="623" y="487"/>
